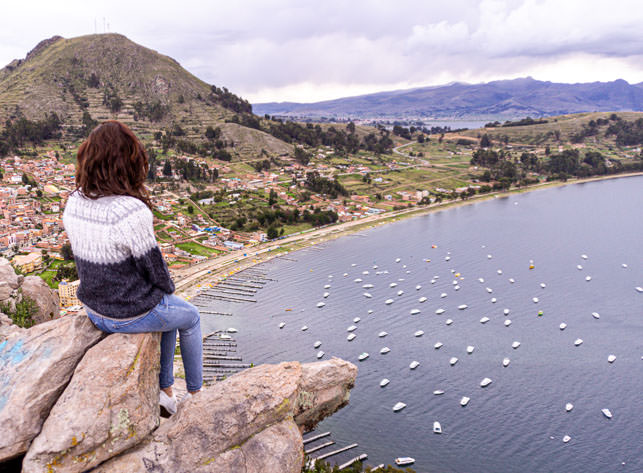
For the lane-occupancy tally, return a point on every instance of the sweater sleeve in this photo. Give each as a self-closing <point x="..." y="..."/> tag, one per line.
<point x="136" y="232"/>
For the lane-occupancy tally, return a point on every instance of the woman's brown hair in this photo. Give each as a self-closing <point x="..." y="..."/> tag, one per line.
<point x="112" y="161"/>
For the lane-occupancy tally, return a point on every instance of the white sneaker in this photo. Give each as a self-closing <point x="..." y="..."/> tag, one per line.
<point x="168" y="403"/>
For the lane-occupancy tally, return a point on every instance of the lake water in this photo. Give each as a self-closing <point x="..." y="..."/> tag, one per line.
<point x="518" y="422"/>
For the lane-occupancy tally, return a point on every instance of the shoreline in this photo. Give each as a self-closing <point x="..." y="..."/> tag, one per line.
<point x="213" y="272"/>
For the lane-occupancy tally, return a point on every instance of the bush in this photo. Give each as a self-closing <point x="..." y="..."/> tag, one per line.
<point x="23" y="313"/>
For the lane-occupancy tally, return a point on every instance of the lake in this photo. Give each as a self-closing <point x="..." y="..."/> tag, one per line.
<point x="516" y="423"/>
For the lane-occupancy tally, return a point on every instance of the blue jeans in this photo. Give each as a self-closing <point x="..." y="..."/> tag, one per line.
<point x="170" y="315"/>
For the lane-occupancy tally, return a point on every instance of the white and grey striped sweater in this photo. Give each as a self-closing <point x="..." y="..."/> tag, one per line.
<point x="120" y="266"/>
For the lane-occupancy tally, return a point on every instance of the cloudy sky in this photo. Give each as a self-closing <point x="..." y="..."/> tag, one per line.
<point x="301" y="50"/>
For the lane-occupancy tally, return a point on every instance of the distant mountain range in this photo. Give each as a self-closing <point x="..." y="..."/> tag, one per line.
<point x="493" y="100"/>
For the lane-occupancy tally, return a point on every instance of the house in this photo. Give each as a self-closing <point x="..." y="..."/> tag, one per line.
<point x="28" y="263"/>
<point x="67" y="293"/>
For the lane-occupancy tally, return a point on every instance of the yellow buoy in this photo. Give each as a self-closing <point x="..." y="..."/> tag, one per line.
<point x="531" y="266"/>
<point x="457" y="275"/>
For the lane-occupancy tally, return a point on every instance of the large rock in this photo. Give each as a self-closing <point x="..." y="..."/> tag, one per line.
<point x="244" y="423"/>
<point x="47" y="300"/>
<point x="110" y="405"/>
<point x="9" y="280"/>
<point x="35" y="366"/>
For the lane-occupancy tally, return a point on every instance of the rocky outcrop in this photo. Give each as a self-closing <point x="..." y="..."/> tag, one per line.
<point x="47" y="300"/>
<point x="243" y="415"/>
<point x="9" y="281"/>
<point x="110" y="405"/>
<point x="35" y="366"/>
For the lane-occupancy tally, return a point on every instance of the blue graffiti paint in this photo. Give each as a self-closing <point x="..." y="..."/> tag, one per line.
<point x="2" y="345"/>
<point x="15" y="354"/>
<point x="3" y="401"/>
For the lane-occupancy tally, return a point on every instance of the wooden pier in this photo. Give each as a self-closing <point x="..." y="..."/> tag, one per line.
<point x="311" y="447"/>
<point x="220" y="358"/>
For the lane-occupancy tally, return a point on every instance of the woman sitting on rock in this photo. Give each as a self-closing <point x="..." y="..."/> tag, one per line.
<point x="125" y="284"/>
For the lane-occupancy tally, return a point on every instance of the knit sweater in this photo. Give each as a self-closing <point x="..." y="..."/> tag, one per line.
<point x="120" y="266"/>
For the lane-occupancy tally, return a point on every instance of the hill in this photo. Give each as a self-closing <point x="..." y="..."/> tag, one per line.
<point x="107" y="76"/>
<point x="503" y="99"/>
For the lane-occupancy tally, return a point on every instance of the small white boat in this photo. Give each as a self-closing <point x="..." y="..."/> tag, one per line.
<point x="370" y="311"/>
<point x="351" y="337"/>
<point x="364" y="272"/>
<point x="224" y="336"/>
<point x="419" y="333"/>
<point x="326" y="294"/>
<point x="385" y="350"/>
<point x="464" y="401"/>
<point x="485" y="382"/>
<point x="388" y="301"/>
<point x="439" y="311"/>
<point x="414" y="364"/>
<point x="304" y="328"/>
<point x="611" y="359"/>
<point x="327" y="286"/>
<point x="639" y="289"/>
<point x="232" y="330"/>
<point x="353" y="264"/>
<point x="367" y="286"/>
<point x="499" y="271"/>
<point x="488" y="256"/>
<point x="393" y="284"/>
<point x="368" y="295"/>
<point x="493" y="300"/>
<point x="432" y="281"/>
<point x="515" y="345"/>
<point x="384" y="382"/>
<point x="382" y="334"/>
<point x="443" y="295"/>
<point x="437" y="345"/>
<point x="506" y="311"/>
<point x="535" y="299"/>
<point x="606" y="413"/>
<point x="356" y="319"/>
<point x="363" y="356"/>
<point x="399" y="406"/>
<point x="588" y="278"/>
<point x="505" y="362"/>
<point x="403" y="461"/>
<point x="418" y="287"/>
<point x="470" y="349"/>
<point x="566" y="438"/>
<point x="578" y="341"/>
<point x="449" y="321"/>
<point x="317" y="344"/>
<point x="397" y="260"/>
<point x="624" y="265"/>
<point x="375" y="267"/>
<point x="437" y="428"/>
<point x="422" y="299"/>
<point x="463" y="306"/>
<point x="579" y="267"/>
<point x="457" y="288"/>
<point x="282" y="324"/>
<point x="453" y="361"/>
<point x="438" y="392"/>
<point x="583" y="256"/>
<point x="357" y="280"/>
<point x="481" y="280"/>
<point x="562" y="326"/>
<point x="345" y="274"/>
<point x="507" y="322"/>
<point x="415" y="311"/>
<point x="320" y="305"/>
<point x="351" y="328"/>
<point x="512" y="280"/>
<point x="569" y="406"/>
<point x="455" y="282"/>
<point x="447" y="258"/>
<point x="484" y="320"/>
<point x="320" y="354"/>
<point x="596" y="315"/>
<point x="400" y="292"/>
<point x="489" y="290"/>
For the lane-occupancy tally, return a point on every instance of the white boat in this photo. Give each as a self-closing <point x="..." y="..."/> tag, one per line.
<point x="345" y="274"/>
<point x="432" y="281"/>
<point x="320" y="304"/>
<point x="499" y="271"/>
<point x="437" y="345"/>
<point x="488" y="256"/>
<point x="611" y="359"/>
<point x="438" y="392"/>
<point x="419" y="333"/>
<point x="370" y="311"/>
<point x="414" y="364"/>
<point x="422" y="299"/>
<point x="583" y="256"/>
<point x="382" y="334"/>
<point x="393" y="284"/>
<point x="462" y="306"/>
<point x="606" y="413"/>
<point x="320" y="354"/>
<point x="397" y="260"/>
<point x="437" y="428"/>
<point x="368" y="295"/>
<point x="457" y="288"/>
<point x="351" y="337"/>
<point x="639" y="289"/>
<point x="351" y="328"/>
<point x="282" y="324"/>
<point x="418" y="287"/>
<point x="327" y="286"/>
<point x="579" y="267"/>
<point x="515" y="345"/>
<point x="535" y="299"/>
<point x="543" y="285"/>
<point x="493" y="300"/>
<point x="374" y="266"/>
<point x="326" y="294"/>
<point x="596" y="315"/>
<point x="455" y="282"/>
<point x="356" y="319"/>
<point x="470" y="349"/>
<point x="505" y="362"/>
<point x="512" y="280"/>
<point x="464" y="401"/>
<point x="569" y="406"/>
<point x="485" y="382"/>
<point x="363" y="356"/>
<point x="399" y="406"/>
<point x="566" y="438"/>
<point x="507" y="322"/>
<point x="588" y="278"/>
<point x="489" y="290"/>
<point x="232" y="330"/>
<point x="224" y="336"/>
<point x="367" y="286"/>
<point x="385" y="350"/>
<point x="506" y="311"/>
<point x="357" y="280"/>
<point x="624" y="265"/>
<point x="447" y="258"/>
<point x="443" y="295"/>
<point x="403" y="461"/>
<point x="364" y="272"/>
<point x="439" y="311"/>
<point x="449" y="321"/>
<point x="317" y="344"/>
<point x="400" y="292"/>
<point x="562" y="326"/>
<point x="384" y="382"/>
<point x="388" y="301"/>
<point x="415" y="311"/>
<point x="484" y="320"/>
<point x="353" y="264"/>
<point x="578" y="341"/>
<point x="453" y="361"/>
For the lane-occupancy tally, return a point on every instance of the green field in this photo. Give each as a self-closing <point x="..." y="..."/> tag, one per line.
<point x="197" y="249"/>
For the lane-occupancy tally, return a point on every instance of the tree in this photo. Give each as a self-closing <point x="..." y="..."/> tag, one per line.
<point x="272" y="199"/>
<point x="167" y="168"/>
<point x="190" y="209"/>
<point x="350" y="127"/>
<point x="272" y="232"/>
<point x="485" y="142"/>
<point x="66" y="252"/>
